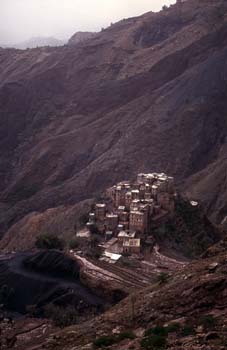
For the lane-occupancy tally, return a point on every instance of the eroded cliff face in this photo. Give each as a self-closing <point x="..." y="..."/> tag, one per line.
<point x="146" y="94"/>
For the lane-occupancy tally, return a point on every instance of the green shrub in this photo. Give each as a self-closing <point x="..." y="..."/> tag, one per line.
<point x="83" y="219"/>
<point x="163" y="278"/>
<point x="105" y="340"/>
<point x="126" y="335"/>
<point x="94" y="230"/>
<point x="207" y="321"/>
<point x="158" y="330"/>
<point x="49" y="241"/>
<point x="108" y="340"/>
<point x="155" y="338"/>
<point x="154" y="342"/>
<point x="62" y="316"/>
<point x="74" y="243"/>
<point x="173" y="327"/>
<point x="188" y="330"/>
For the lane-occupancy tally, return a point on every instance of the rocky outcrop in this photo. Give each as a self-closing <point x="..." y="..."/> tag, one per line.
<point x="81" y="37"/>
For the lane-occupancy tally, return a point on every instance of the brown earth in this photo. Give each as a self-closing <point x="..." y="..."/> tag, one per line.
<point x="146" y="94"/>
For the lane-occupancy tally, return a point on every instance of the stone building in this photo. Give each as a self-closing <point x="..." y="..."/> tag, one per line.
<point x="123" y="215"/>
<point x="132" y="246"/>
<point x="138" y="221"/>
<point x="128" y="199"/>
<point x="154" y="190"/>
<point x="135" y="204"/>
<point x="111" y="193"/>
<point x="135" y="194"/>
<point x="100" y="212"/>
<point x="120" y="196"/>
<point x="124" y="236"/>
<point x="111" y="222"/>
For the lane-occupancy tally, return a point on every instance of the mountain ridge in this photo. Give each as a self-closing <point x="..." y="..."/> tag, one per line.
<point x="107" y="109"/>
<point x="35" y="42"/>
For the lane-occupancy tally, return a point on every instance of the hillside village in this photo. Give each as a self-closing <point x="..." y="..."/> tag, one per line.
<point x="130" y="212"/>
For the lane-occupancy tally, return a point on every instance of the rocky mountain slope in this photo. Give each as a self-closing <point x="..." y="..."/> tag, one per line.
<point x="146" y="94"/>
<point x="188" y="311"/>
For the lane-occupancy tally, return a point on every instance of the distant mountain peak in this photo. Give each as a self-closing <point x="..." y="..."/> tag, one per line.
<point x="38" y="42"/>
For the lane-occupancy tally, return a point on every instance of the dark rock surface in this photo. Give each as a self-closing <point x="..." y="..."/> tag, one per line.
<point x="43" y="278"/>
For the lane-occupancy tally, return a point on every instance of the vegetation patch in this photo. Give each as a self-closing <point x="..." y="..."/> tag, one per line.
<point x="163" y="278"/>
<point x="173" y="327"/>
<point x="49" y="241"/>
<point x="189" y="231"/>
<point x="62" y="316"/>
<point x="154" y="342"/>
<point x="74" y="243"/>
<point x="208" y="322"/>
<point x="155" y="339"/>
<point x="108" y="340"/>
<point x="188" y="330"/>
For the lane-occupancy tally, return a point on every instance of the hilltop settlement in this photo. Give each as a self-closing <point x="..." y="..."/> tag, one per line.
<point x="130" y="212"/>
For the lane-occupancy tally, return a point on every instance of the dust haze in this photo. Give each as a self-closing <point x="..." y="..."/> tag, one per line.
<point x="23" y="19"/>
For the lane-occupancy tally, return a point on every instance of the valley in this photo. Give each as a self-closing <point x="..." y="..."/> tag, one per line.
<point x="122" y="102"/>
<point x="113" y="186"/>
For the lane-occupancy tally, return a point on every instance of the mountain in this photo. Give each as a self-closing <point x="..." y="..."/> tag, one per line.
<point x="210" y="186"/>
<point x="146" y="94"/>
<point x="38" y="42"/>
<point x="80" y="37"/>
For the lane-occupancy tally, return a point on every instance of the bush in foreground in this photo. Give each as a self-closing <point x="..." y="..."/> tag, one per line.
<point x="154" y="342"/>
<point x="108" y="340"/>
<point x="155" y="338"/>
<point x="62" y="316"/>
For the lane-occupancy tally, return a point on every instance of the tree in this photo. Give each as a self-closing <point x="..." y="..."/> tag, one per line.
<point x="49" y="241"/>
<point x="94" y="230"/>
<point x="62" y="316"/>
<point x="74" y="243"/>
<point x="84" y="218"/>
<point x="162" y="278"/>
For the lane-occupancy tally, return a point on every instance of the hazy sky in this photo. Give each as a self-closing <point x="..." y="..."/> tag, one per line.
<point x="23" y="19"/>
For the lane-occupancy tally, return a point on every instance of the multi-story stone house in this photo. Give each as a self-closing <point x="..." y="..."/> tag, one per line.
<point x="132" y="246"/>
<point x="100" y="212"/>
